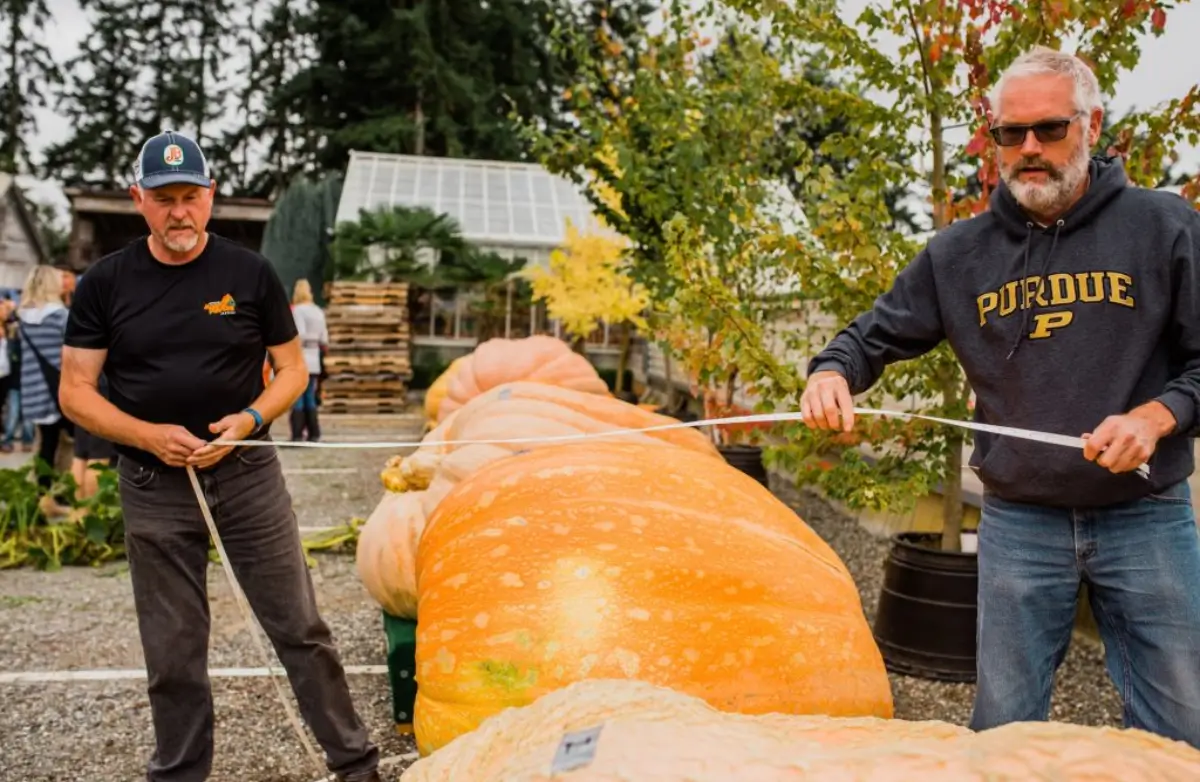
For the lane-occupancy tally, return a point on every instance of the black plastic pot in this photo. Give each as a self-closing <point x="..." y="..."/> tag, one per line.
<point x="747" y="458"/>
<point x="925" y="624"/>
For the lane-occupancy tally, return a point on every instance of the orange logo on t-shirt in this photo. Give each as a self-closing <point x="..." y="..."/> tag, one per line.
<point x="226" y="306"/>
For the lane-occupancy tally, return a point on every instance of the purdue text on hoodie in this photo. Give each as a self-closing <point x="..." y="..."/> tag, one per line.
<point x="1057" y="328"/>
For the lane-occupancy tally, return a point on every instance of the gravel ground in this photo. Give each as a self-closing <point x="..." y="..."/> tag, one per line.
<point x="100" y="731"/>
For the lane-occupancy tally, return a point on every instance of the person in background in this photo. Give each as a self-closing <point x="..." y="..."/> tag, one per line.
<point x="6" y="371"/>
<point x="12" y="389"/>
<point x="70" y="279"/>
<point x="314" y="335"/>
<point x="89" y="450"/>
<point x="42" y="322"/>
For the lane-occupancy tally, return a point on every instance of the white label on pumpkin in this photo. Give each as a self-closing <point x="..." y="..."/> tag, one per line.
<point x="575" y="750"/>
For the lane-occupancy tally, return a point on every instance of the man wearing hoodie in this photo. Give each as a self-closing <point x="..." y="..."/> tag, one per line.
<point x="1073" y="305"/>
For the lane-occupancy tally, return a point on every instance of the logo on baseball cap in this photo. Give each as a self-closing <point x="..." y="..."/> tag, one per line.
<point x="171" y="158"/>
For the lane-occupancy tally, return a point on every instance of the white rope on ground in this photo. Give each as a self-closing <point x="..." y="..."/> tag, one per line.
<point x="244" y="605"/>
<point x="135" y="674"/>
<point x="1008" y="431"/>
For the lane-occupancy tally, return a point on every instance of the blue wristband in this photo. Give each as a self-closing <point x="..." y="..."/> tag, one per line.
<point x="258" y="419"/>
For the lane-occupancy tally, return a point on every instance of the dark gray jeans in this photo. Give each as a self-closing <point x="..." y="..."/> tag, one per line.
<point x="167" y="542"/>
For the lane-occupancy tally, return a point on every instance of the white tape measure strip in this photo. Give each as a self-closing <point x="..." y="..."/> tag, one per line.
<point x="248" y="615"/>
<point x="1067" y="441"/>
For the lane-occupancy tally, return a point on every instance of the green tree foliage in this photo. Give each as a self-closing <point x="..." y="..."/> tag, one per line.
<point x="27" y="72"/>
<point x="144" y="67"/>
<point x="708" y="132"/>
<point x="434" y="77"/>
<point x="100" y="100"/>
<point x="297" y="238"/>
<point x="271" y="142"/>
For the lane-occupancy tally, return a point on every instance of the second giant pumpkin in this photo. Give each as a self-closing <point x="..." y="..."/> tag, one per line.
<point x="643" y="561"/>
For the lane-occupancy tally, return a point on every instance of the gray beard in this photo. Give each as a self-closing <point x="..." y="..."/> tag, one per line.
<point x="181" y="247"/>
<point x="1051" y="196"/>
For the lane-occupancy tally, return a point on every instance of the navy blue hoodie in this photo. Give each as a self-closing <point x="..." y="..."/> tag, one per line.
<point x="1057" y="328"/>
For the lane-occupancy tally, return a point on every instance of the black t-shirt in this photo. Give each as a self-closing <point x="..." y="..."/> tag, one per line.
<point x="186" y="344"/>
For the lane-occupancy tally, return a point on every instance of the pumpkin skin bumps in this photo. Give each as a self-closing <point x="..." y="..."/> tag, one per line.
<point x="653" y="734"/>
<point x="539" y="359"/>
<point x="632" y="561"/>
<point x="514" y="410"/>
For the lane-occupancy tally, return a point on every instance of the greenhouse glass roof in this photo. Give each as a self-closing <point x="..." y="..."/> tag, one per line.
<point x="494" y="203"/>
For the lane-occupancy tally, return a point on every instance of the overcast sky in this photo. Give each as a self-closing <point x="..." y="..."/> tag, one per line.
<point x="1168" y="67"/>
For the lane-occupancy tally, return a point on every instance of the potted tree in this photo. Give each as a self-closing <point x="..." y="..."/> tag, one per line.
<point x="664" y="133"/>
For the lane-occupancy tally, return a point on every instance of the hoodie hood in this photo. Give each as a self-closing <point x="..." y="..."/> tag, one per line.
<point x="1106" y="179"/>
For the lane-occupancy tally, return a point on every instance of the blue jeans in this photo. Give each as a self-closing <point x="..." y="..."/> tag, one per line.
<point x="1141" y="561"/>
<point x="308" y="400"/>
<point x="12" y="418"/>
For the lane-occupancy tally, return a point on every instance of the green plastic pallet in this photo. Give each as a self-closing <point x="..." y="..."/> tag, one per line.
<point x="402" y="668"/>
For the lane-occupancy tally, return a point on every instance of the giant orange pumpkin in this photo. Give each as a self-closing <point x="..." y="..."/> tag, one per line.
<point x="654" y="734"/>
<point x="512" y="411"/>
<point x="540" y="358"/>
<point x="610" y="559"/>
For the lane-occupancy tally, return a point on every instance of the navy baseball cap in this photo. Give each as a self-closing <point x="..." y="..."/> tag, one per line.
<point x="171" y="158"/>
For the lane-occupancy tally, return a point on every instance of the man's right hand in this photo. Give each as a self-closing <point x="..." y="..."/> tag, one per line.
<point x="170" y="443"/>
<point x="826" y="399"/>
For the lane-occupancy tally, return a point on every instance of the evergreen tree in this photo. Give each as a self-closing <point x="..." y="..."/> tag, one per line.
<point x="297" y="237"/>
<point x="271" y="105"/>
<point x="433" y="77"/>
<point x="26" y="71"/>
<point x="100" y="100"/>
<point x="182" y="61"/>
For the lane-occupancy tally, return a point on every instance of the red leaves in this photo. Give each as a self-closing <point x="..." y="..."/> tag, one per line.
<point x="994" y="10"/>
<point x="978" y="143"/>
<point x="1158" y="19"/>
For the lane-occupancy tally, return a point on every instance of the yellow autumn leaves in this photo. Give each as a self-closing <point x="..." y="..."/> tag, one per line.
<point x="586" y="283"/>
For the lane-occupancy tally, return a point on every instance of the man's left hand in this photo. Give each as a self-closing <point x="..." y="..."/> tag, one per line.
<point x="232" y="427"/>
<point x="1121" y="443"/>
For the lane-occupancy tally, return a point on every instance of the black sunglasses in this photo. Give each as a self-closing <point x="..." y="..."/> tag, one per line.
<point x="1045" y="131"/>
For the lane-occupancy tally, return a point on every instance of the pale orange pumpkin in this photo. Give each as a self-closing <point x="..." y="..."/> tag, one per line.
<point x="540" y="359"/>
<point x="654" y="734"/>
<point x="438" y="388"/>
<point x="609" y="559"/>
<point x="385" y="556"/>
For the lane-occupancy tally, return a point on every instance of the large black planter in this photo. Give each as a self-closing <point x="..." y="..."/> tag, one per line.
<point x="925" y="624"/>
<point x="747" y="458"/>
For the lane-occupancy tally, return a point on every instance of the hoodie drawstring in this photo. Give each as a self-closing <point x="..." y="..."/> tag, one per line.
<point x="1041" y="281"/>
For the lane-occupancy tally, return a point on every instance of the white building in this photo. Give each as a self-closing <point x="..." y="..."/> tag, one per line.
<point x="512" y="209"/>
<point x="21" y="243"/>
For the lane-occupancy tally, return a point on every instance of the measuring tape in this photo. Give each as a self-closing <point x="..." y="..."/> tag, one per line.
<point x="1006" y="431"/>
<point x="1066" y="441"/>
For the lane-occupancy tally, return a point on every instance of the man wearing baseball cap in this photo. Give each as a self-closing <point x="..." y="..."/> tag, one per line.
<point x="178" y="321"/>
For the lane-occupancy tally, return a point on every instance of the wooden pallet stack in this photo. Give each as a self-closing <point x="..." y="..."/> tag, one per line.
<point x="368" y="364"/>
